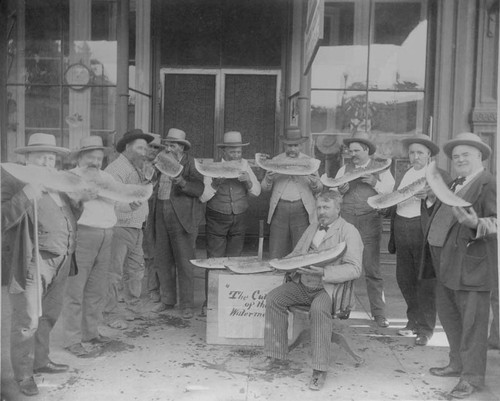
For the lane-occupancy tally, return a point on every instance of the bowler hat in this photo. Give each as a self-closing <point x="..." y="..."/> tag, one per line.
<point x="40" y="142"/>
<point x="361" y="137"/>
<point x="131" y="136"/>
<point x="470" y="139"/>
<point x="424" y="140"/>
<point x="232" y="138"/>
<point x="178" y="136"/>
<point x="292" y="136"/>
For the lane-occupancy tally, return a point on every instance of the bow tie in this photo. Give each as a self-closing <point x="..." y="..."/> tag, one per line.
<point x="456" y="181"/>
<point x="322" y="228"/>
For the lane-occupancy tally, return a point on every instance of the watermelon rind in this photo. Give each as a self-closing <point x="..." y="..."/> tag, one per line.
<point x="440" y="189"/>
<point x="288" y="165"/>
<point x="209" y="168"/>
<point x="348" y="177"/>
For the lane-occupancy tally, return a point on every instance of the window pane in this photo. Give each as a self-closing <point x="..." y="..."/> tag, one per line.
<point x="396" y="113"/>
<point x="102" y="111"/>
<point x="43" y="107"/>
<point x="398" y="52"/>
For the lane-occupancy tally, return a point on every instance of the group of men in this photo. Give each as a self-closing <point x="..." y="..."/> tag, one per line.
<point x="88" y="253"/>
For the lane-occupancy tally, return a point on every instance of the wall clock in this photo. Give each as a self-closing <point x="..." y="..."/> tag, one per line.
<point x="77" y="76"/>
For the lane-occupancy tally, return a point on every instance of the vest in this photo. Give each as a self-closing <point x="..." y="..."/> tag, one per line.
<point x="56" y="226"/>
<point x="354" y="201"/>
<point x="230" y="198"/>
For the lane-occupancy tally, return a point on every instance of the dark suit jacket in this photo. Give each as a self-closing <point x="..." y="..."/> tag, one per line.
<point x="185" y="200"/>
<point x="467" y="263"/>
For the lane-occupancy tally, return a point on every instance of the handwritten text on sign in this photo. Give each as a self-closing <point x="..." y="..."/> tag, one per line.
<point x="242" y="304"/>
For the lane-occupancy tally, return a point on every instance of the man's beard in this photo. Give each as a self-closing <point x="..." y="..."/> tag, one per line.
<point x="137" y="160"/>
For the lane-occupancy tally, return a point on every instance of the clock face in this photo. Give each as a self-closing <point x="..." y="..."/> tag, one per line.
<point x="77" y="76"/>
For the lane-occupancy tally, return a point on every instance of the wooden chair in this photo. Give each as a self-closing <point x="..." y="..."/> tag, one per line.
<point x="301" y="314"/>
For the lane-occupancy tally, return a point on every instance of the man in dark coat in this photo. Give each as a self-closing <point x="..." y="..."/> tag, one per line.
<point x="463" y="246"/>
<point x="37" y="277"/>
<point x="177" y="212"/>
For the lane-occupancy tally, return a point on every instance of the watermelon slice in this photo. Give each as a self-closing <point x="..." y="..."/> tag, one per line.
<point x="248" y="266"/>
<point x="219" y="263"/>
<point x="337" y="182"/>
<point x="209" y="168"/>
<point x="314" y="258"/>
<point x="288" y="165"/>
<point x="167" y="164"/>
<point x="440" y="188"/>
<point x="383" y="201"/>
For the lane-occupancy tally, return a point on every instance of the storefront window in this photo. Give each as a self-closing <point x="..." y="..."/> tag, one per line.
<point x="369" y="75"/>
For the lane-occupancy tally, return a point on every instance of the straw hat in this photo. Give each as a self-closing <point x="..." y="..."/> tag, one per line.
<point x="292" y="136"/>
<point x="92" y="142"/>
<point x="422" y="140"/>
<point x="177" y="136"/>
<point x="470" y="139"/>
<point x="361" y="137"/>
<point x="232" y="138"/>
<point x="131" y="136"/>
<point x="40" y="142"/>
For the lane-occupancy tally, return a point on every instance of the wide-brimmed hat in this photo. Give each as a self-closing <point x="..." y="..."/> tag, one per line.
<point x="470" y="139"/>
<point x="156" y="140"/>
<point x="422" y="139"/>
<point x="131" y="136"/>
<point x="40" y="142"/>
<point x="232" y="138"/>
<point x="92" y="142"/>
<point x="178" y="136"/>
<point x="361" y="137"/>
<point x="292" y="136"/>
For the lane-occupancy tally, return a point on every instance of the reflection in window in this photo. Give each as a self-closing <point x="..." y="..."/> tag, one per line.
<point x="369" y="75"/>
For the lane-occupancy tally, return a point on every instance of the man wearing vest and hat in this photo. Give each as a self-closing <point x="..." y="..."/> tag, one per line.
<point x="227" y="202"/>
<point x="292" y="206"/>
<point x="177" y="212"/>
<point x="463" y="246"/>
<point x="127" y="258"/>
<point x="85" y="292"/>
<point x="407" y="234"/>
<point x="368" y="221"/>
<point x="56" y="219"/>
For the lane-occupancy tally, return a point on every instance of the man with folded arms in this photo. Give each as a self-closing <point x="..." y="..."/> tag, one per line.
<point x="463" y="246"/>
<point x="57" y="214"/>
<point x="85" y="292"/>
<point x="314" y="286"/>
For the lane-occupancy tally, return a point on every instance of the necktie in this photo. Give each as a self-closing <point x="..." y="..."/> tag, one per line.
<point x="455" y="182"/>
<point x="322" y="228"/>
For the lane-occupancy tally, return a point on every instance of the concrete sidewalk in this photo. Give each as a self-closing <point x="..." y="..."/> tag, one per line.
<point x="167" y="358"/>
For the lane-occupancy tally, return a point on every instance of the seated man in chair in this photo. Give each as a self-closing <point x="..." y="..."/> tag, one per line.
<point x="316" y="286"/>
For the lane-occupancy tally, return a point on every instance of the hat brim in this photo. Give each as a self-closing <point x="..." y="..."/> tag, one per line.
<point x="292" y="141"/>
<point x="232" y="145"/>
<point x="371" y="147"/>
<point x="182" y="142"/>
<point x="484" y="148"/>
<point x="54" y="149"/>
<point x="434" y="149"/>
<point x="120" y="146"/>
<point x="76" y="153"/>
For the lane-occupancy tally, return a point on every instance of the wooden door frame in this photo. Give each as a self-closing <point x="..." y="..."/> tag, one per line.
<point x="220" y="83"/>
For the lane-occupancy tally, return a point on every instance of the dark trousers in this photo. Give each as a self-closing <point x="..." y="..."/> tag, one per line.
<point x="419" y="294"/>
<point x="225" y="233"/>
<point x="464" y="316"/>
<point x="173" y="251"/>
<point x="370" y="228"/>
<point x="290" y="220"/>
<point x="276" y="326"/>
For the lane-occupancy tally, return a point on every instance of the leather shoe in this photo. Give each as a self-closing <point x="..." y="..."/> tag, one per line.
<point x="381" y="321"/>
<point x="269" y="363"/>
<point x="421" y="339"/>
<point x="317" y="380"/>
<point x="100" y="340"/>
<point x="462" y="390"/>
<point x="187" y="313"/>
<point x="52" y="367"/>
<point x="28" y="386"/>
<point x="161" y="307"/>
<point x="447" y="371"/>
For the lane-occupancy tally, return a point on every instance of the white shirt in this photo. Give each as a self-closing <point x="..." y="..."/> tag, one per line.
<point x="98" y="213"/>
<point x="411" y="207"/>
<point x="318" y="237"/>
<point x="382" y="186"/>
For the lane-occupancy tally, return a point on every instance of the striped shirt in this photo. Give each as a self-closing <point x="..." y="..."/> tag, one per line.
<point x="123" y="171"/>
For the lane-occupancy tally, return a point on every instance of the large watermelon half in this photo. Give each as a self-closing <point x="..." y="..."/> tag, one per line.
<point x="440" y="188"/>
<point x="167" y="164"/>
<point x="348" y="177"/>
<point x="313" y="258"/>
<point x="209" y="168"/>
<point x="382" y="201"/>
<point x="288" y="165"/>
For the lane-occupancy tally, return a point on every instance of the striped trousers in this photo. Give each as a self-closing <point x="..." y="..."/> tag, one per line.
<point x="276" y="321"/>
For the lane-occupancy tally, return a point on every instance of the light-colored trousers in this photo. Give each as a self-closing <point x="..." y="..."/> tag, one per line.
<point x="30" y="334"/>
<point x="85" y="292"/>
<point x="127" y="265"/>
<point x="276" y="321"/>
